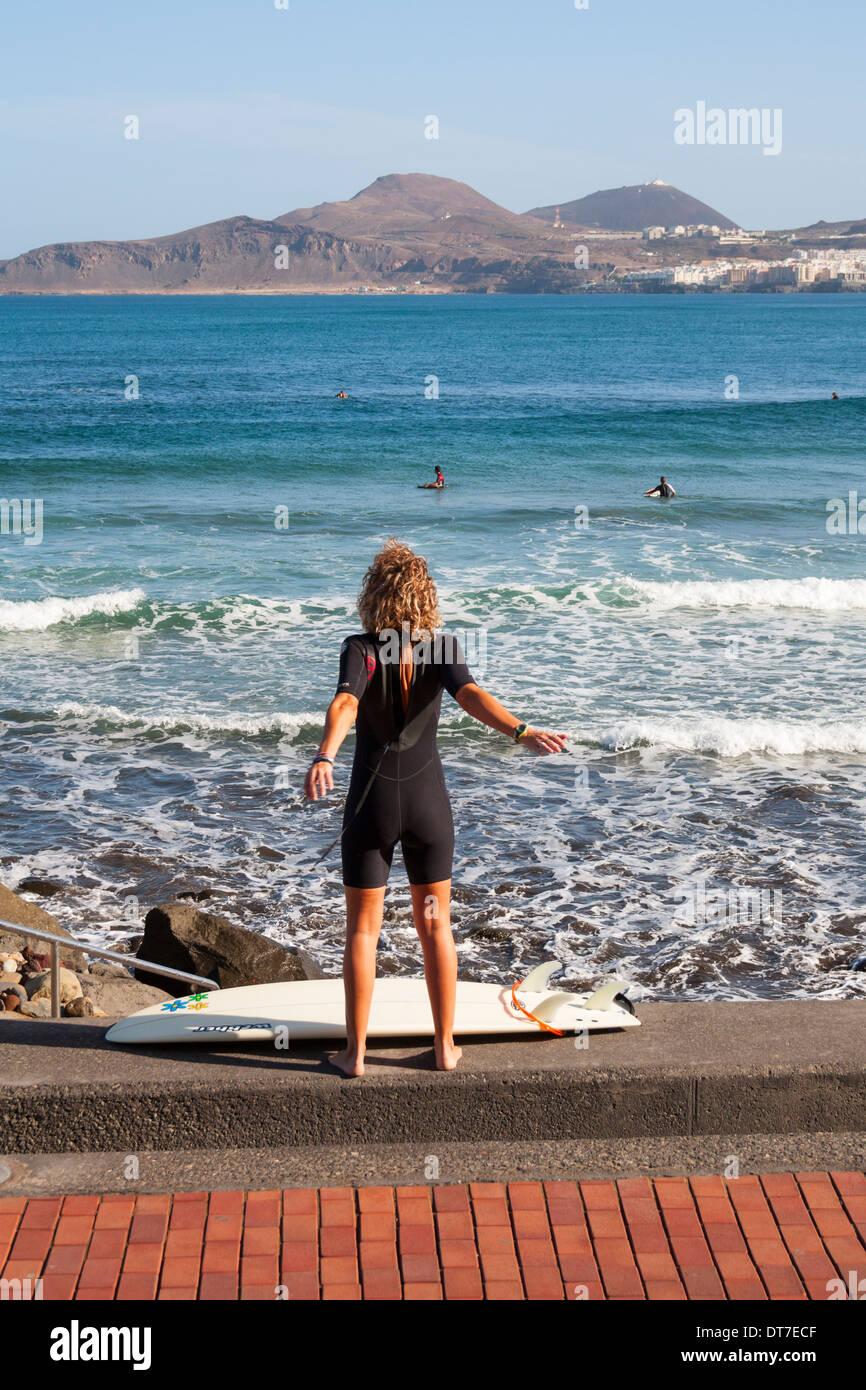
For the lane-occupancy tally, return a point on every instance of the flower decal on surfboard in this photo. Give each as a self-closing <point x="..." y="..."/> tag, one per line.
<point x="192" y="1001"/>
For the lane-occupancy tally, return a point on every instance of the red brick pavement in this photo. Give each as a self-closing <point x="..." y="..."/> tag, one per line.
<point x="778" y="1236"/>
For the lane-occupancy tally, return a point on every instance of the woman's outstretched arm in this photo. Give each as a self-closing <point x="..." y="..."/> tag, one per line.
<point x="338" y="721"/>
<point x="483" y="707"/>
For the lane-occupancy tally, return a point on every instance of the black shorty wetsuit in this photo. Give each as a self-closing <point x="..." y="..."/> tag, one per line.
<point x="397" y="788"/>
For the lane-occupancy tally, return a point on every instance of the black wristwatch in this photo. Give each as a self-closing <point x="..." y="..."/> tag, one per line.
<point x="518" y="732"/>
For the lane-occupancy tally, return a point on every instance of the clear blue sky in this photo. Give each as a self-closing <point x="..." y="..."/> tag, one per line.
<point x="245" y="108"/>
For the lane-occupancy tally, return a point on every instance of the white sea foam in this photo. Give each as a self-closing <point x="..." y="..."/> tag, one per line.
<point x="818" y="595"/>
<point x="253" y="725"/>
<point x="233" y="613"/>
<point x="35" y="615"/>
<point x="623" y="592"/>
<point x="731" y="738"/>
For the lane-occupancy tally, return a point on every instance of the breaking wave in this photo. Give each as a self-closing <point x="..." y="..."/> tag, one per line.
<point x="131" y="608"/>
<point x="731" y="738"/>
<point x="107" y="718"/>
<point x="819" y="595"/>
<point x="35" y="615"/>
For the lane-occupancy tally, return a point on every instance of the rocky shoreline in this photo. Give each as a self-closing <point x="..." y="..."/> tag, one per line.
<point x="177" y="934"/>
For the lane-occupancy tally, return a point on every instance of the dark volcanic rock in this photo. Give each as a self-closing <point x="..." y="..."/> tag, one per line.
<point x="182" y="937"/>
<point x="487" y="932"/>
<point x="43" y="886"/>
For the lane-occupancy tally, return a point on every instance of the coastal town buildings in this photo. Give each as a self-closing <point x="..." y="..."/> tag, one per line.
<point x="697" y="229"/>
<point x="845" y="269"/>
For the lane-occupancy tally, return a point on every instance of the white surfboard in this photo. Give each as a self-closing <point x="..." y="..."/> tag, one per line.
<point x="308" y="1009"/>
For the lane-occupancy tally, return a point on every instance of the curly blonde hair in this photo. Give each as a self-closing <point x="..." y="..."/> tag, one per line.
<point x="398" y="589"/>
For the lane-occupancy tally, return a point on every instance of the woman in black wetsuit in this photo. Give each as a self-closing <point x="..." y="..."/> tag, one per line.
<point x="391" y="681"/>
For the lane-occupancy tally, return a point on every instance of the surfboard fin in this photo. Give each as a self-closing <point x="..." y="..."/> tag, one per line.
<point x="549" y="1007"/>
<point x="537" y="979"/>
<point x="604" y="997"/>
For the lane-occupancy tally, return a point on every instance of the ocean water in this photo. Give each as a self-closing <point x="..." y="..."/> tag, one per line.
<point x="169" y="645"/>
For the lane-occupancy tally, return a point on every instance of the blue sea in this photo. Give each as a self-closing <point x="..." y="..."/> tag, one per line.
<point x="170" y="625"/>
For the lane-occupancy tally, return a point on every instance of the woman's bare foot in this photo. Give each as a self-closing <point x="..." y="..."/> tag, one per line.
<point x="447" y="1055"/>
<point x="349" y="1062"/>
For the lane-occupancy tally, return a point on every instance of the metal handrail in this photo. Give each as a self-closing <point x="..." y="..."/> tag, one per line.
<point x="72" y="945"/>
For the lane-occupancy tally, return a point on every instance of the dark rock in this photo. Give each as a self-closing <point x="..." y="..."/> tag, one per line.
<point x="197" y="894"/>
<point x="178" y="935"/>
<point x="271" y="854"/>
<point x="43" y="886"/>
<point x="15" y="909"/>
<point x="488" y="933"/>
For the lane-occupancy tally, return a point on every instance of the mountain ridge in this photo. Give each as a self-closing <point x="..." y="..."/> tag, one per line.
<point x="633" y="207"/>
<point x="402" y="231"/>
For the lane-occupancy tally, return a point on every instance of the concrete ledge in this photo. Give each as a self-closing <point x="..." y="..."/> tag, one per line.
<point x="693" y="1069"/>
<point x="409" y="1165"/>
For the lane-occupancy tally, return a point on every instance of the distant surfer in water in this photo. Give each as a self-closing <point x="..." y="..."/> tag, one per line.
<point x="341" y="396"/>
<point x="391" y="680"/>
<point x="834" y="397"/>
<point x="662" y="489"/>
<point x="440" y="480"/>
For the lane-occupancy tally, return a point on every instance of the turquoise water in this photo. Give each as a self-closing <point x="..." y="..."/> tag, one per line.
<point x="168" y="650"/>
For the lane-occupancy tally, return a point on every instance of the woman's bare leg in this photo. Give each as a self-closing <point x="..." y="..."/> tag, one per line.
<point x="363" y="924"/>
<point x="431" y="907"/>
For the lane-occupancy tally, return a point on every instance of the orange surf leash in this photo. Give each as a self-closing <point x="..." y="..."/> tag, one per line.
<point x="517" y="1004"/>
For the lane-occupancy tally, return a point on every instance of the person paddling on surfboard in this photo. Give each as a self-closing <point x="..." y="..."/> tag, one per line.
<point x="391" y="680"/>
<point x="440" y="480"/>
<point x="662" y="489"/>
